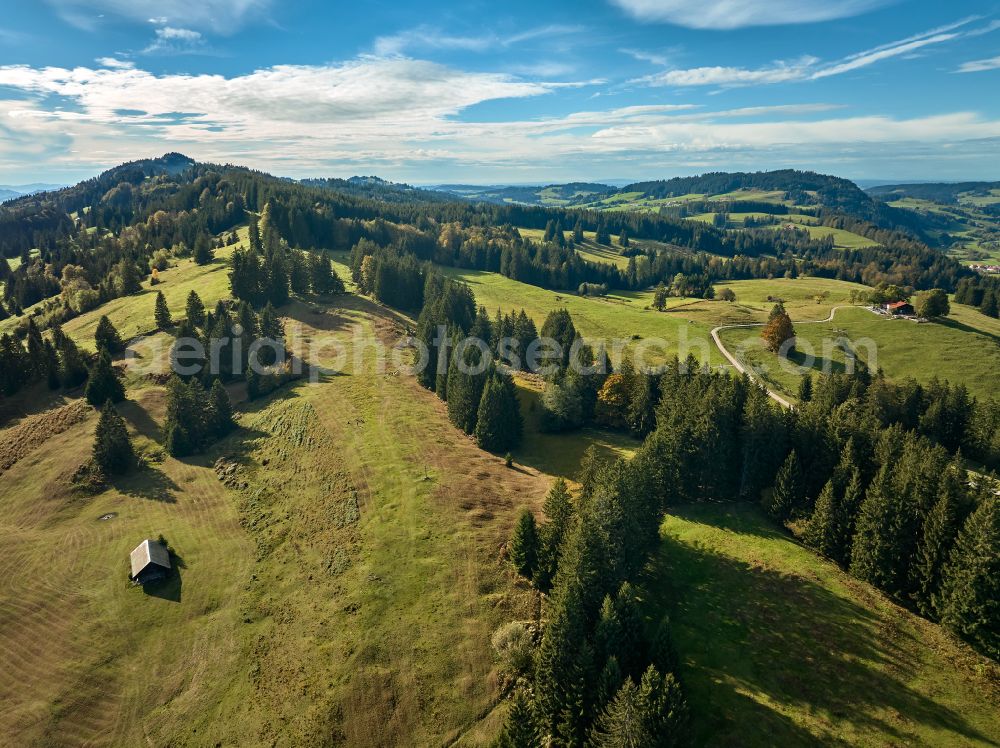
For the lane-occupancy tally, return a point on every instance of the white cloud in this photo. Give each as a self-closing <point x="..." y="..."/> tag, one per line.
<point x="979" y="66"/>
<point x="807" y="68"/>
<point x="114" y="62"/>
<point x="734" y="14"/>
<point x="171" y="40"/>
<point x="220" y="16"/>
<point x="413" y="119"/>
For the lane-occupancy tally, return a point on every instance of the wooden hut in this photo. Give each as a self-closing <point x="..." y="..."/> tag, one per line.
<point x="150" y="562"/>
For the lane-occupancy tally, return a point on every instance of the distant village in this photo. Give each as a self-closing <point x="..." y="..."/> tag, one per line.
<point x="989" y="269"/>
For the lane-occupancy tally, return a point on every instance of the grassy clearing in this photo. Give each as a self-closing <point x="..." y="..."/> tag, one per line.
<point x="779" y="647"/>
<point x="560" y="454"/>
<point x="614" y="317"/>
<point x="343" y="584"/>
<point x="951" y="349"/>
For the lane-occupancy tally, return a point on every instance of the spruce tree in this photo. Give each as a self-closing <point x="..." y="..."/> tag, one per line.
<point x="877" y="552"/>
<point x="788" y="493"/>
<point x="161" y="313"/>
<point x="103" y="383"/>
<point x="195" y="309"/>
<point x="254" y="385"/>
<point x="498" y="424"/>
<point x="563" y="664"/>
<point x="221" y="410"/>
<point x="806" y="389"/>
<point x="559" y="513"/>
<point x="465" y="388"/>
<point x="51" y="366"/>
<point x="113" y="453"/>
<point x="940" y="530"/>
<point x="826" y="532"/>
<point x="203" y="249"/>
<point x="73" y="366"/>
<point x="520" y="729"/>
<point x="107" y="337"/>
<point x="970" y="599"/>
<point x="621" y="725"/>
<point x="524" y="545"/>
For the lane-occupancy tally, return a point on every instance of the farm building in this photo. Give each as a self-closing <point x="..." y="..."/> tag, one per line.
<point x="902" y="308"/>
<point x="150" y="562"/>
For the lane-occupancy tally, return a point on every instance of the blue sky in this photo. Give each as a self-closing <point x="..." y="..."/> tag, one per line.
<point x="488" y="92"/>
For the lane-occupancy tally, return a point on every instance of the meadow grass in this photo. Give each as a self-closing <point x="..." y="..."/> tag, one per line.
<point x="951" y="349"/>
<point x="780" y="647"/>
<point x="343" y="586"/>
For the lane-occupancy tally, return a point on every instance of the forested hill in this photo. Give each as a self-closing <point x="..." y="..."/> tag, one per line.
<point x="374" y="188"/>
<point x="801" y="187"/>
<point x="176" y="205"/>
<point x="938" y="192"/>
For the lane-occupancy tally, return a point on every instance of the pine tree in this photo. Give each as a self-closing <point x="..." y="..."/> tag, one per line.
<point x="826" y="532"/>
<point x="161" y="313"/>
<point x="195" y="309"/>
<point x="298" y="272"/>
<point x="276" y="276"/>
<point x="621" y="725"/>
<point x="940" y="530"/>
<point x="103" y="383"/>
<point x="563" y="665"/>
<point x="203" y="249"/>
<point x="37" y="360"/>
<point x="107" y="337"/>
<point x="221" y="410"/>
<point x="664" y="710"/>
<point x="971" y="581"/>
<point x="524" y="545"/>
<point x="465" y="388"/>
<point x="113" y="453"/>
<point x="253" y="383"/>
<point x="558" y="510"/>
<point x="72" y="364"/>
<point x="51" y="367"/>
<point x="520" y="730"/>
<point x="324" y="280"/>
<point x="877" y="553"/>
<point x="578" y="232"/>
<point x="788" y="493"/>
<point x="650" y="715"/>
<point x="498" y="424"/>
<point x="806" y="389"/>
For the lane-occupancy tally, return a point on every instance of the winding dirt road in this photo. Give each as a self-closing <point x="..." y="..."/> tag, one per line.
<point x="742" y="369"/>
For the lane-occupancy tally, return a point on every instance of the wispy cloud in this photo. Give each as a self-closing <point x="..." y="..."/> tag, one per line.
<point x="171" y="40"/>
<point x="809" y="68"/>
<point x="424" y="38"/>
<point x="219" y="16"/>
<point x="734" y="14"/>
<point x="660" y="59"/>
<point x="979" y="66"/>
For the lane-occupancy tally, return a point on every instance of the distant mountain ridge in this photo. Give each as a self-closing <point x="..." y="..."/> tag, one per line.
<point x="939" y="192"/>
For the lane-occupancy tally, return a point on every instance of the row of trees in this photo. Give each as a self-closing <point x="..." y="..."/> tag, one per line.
<point x="601" y="674"/>
<point x="267" y="271"/>
<point x="981" y="292"/>
<point x="481" y="396"/>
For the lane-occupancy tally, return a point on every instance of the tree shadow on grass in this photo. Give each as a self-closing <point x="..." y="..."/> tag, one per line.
<point x="150" y="484"/>
<point x="140" y="420"/>
<point x="748" y="635"/>
<point x="956" y="325"/>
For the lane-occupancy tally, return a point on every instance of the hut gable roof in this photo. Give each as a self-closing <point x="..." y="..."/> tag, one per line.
<point x="146" y="553"/>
